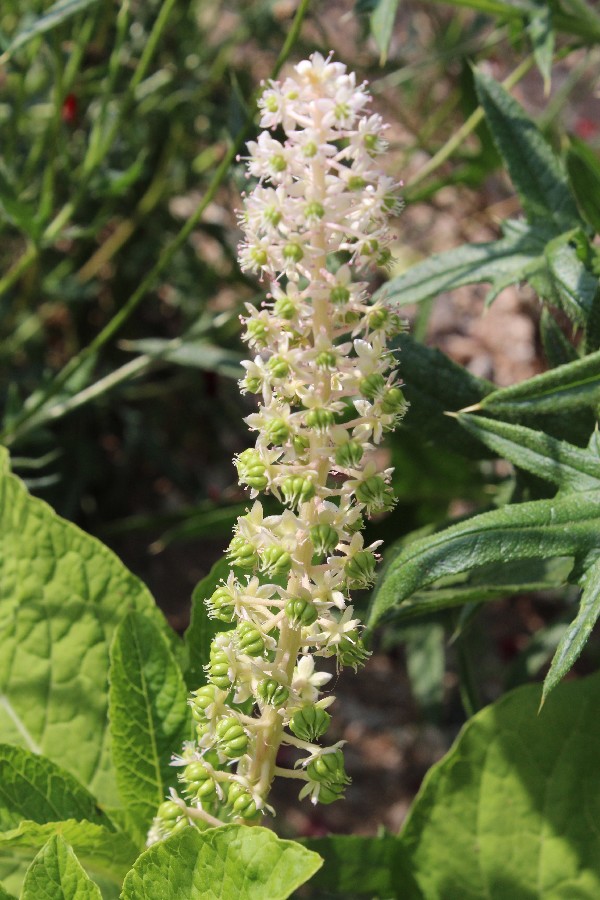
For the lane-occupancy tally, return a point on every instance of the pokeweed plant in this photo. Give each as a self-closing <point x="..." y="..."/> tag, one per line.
<point x="318" y="213"/>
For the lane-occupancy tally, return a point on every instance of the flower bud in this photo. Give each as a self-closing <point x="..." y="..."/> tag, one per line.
<point x="351" y="650"/>
<point x="277" y="431"/>
<point x="377" y="317"/>
<point x="218" y="668"/>
<point x="242" y="554"/>
<point x="324" y="539"/>
<point x="293" y="252"/>
<point x="360" y="569"/>
<point x="240" y="801"/>
<point x="393" y="402"/>
<point x="309" y="723"/>
<point x="349" y="455"/>
<point x="221" y="604"/>
<point x="372" y="385"/>
<point x="329" y="793"/>
<point x="201" y="700"/>
<point x="374" y="493"/>
<point x="249" y="639"/>
<point x="301" y="612"/>
<point x="199" y="782"/>
<point x="285" y="307"/>
<point x="272" y="692"/>
<point x="297" y="489"/>
<point x="275" y="561"/>
<point x="256" y="329"/>
<point x="326" y="359"/>
<point x="320" y="419"/>
<point x="278" y="367"/>
<point x="168" y="813"/>
<point x="233" y="740"/>
<point x="328" y="769"/>
<point x="251" y="469"/>
<point x="339" y="294"/>
<point x="300" y="443"/>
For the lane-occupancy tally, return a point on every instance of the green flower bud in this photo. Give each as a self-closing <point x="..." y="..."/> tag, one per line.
<point x="259" y="257"/>
<point x="309" y="723"/>
<point x="351" y="650"/>
<point x="275" y="561"/>
<point x="272" y="215"/>
<point x="300" y="443"/>
<point x="310" y="149"/>
<point x="252" y="384"/>
<point x="277" y="431"/>
<point x="301" y="612"/>
<point x="339" y="294"/>
<point x="242" y="554"/>
<point x="285" y="308"/>
<point x="218" y="668"/>
<point x="272" y="692"/>
<point x="356" y="183"/>
<point x="251" y="469"/>
<point x="374" y="493"/>
<point x="378" y="317"/>
<point x="326" y="359"/>
<point x="372" y="385"/>
<point x="221" y="604"/>
<point x="249" y="639"/>
<point x="241" y="801"/>
<point x="201" y="700"/>
<point x="360" y="569"/>
<point x="393" y="402"/>
<point x="278" y="367"/>
<point x="278" y="163"/>
<point x="349" y="455"/>
<point x="233" y="740"/>
<point x="371" y="141"/>
<point x="320" y="419"/>
<point x="199" y="782"/>
<point x="256" y="329"/>
<point x="324" y="539"/>
<point x="329" y="793"/>
<point x="293" y="252"/>
<point x="384" y="258"/>
<point x="314" y="210"/>
<point x="297" y="489"/>
<point x="168" y="813"/>
<point x="328" y="769"/>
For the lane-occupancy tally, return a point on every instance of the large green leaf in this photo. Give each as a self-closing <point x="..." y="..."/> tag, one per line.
<point x="233" y="861"/>
<point x="62" y="593"/>
<point x="576" y="635"/>
<point x="503" y="262"/>
<point x="149" y="717"/>
<point x="202" y="628"/>
<point x="565" y="465"/>
<point x="57" y="874"/>
<point x="535" y="171"/>
<point x="567" y="525"/>
<point x="510" y="811"/>
<point x="363" y="867"/>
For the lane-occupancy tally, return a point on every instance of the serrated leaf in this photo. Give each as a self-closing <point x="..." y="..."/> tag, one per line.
<point x="58" y="13"/>
<point x="232" y="861"/>
<point x="503" y="262"/>
<point x="563" y="464"/>
<point x="57" y="874"/>
<point x="33" y="787"/>
<point x="573" y="286"/>
<point x="507" y="812"/>
<point x="576" y="635"/>
<point x="62" y="593"/>
<point x="202" y="628"/>
<point x="363" y="867"/>
<point x="149" y="717"/>
<point x="541" y="33"/>
<point x="382" y="26"/>
<point x="535" y="171"/>
<point x="575" y="385"/>
<point x="583" y="166"/>
<point x="566" y="525"/>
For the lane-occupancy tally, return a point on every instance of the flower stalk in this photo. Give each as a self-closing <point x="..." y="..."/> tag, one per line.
<point x="318" y="215"/>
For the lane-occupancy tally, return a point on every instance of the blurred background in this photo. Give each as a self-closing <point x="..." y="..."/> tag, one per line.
<point x="120" y="298"/>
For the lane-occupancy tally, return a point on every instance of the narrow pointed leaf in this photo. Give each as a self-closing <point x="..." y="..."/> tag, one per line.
<point x="541" y="33"/>
<point x="536" y="172"/>
<point x="575" y="638"/>
<point x="58" y="13"/>
<point x="232" y="861"/>
<point x="566" y="525"/>
<point x="382" y="26"/>
<point x="149" y="717"/>
<point x="572" y="386"/>
<point x="557" y="461"/>
<point x="57" y="874"/>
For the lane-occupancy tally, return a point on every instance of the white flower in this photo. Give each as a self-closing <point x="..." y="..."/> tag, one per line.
<point x="306" y="682"/>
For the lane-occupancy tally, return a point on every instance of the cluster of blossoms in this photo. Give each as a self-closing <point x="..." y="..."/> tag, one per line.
<point x="318" y="212"/>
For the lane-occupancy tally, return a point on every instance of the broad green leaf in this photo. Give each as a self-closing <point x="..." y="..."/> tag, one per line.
<point x="567" y="525"/>
<point x="202" y="628"/>
<point x="503" y="262"/>
<point x="558" y="350"/>
<point x="224" y="863"/>
<point x="57" y="874"/>
<point x="583" y="166"/>
<point x="561" y="390"/>
<point x="434" y="385"/>
<point x="535" y="171"/>
<point x="541" y="33"/>
<point x="563" y="464"/>
<point x="576" y="635"/>
<point x="363" y="867"/>
<point x="109" y="853"/>
<point x="32" y="787"/>
<point x="573" y="286"/>
<point x="508" y="812"/>
<point x="149" y="717"/>
<point x="382" y="26"/>
<point x="55" y="15"/>
<point x="62" y="593"/>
